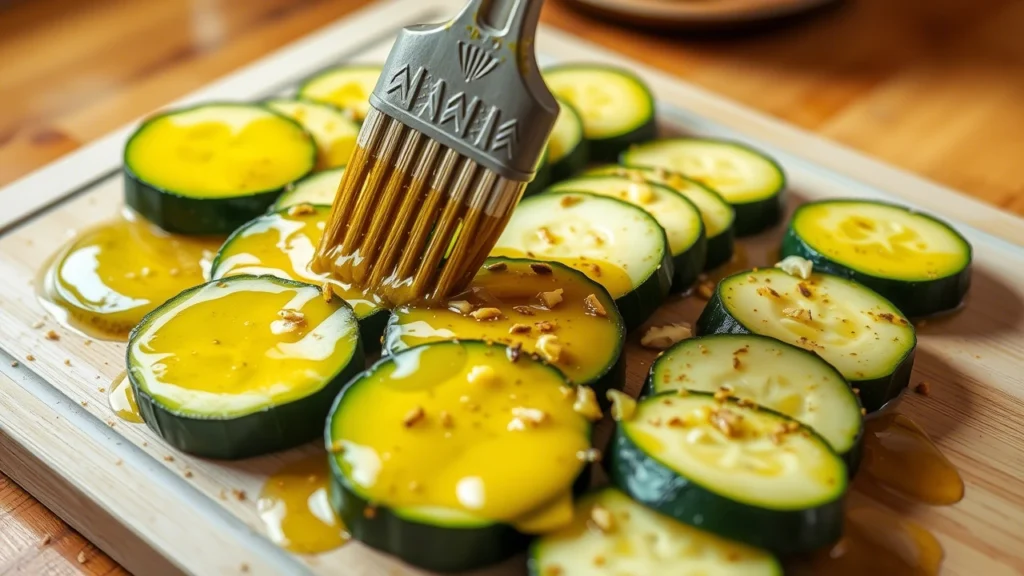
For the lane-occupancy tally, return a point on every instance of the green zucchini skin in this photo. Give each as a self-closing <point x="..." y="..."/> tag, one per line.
<point x="687" y="266"/>
<point x="654" y="485"/>
<point x="873" y="392"/>
<point x="720" y="249"/>
<point x="637" y="306"/>
<point x="542" y="178"/>
<point x="181" y="214"/>
<point x="447" y="549"/>
<point x="916" y="299"/>
<point x="193" y="216"/>
<point x="273" y="429"/>
<point x="572" y="163"/>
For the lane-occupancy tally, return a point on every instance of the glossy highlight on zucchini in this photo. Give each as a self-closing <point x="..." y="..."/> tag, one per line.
<point x="921" y="264"/>
<point x="242" y="366"/>
<point x="582" y="321"/>
<point x="620" y="246"/>
<point x="847" y="324"/>
<point x="718" y="216"/>
<point x="750" y="181"/>
<point x="346" y="87"/>
<point x="679" y="217"/>
<point x="317" y="188"/>
<point x="615" y="105"/>
<point x="769" y="373"/>
<point x="333" y="130"/>
<point x="744" y="473"/>
<point x="612" y="534"/>
<point x="211" y="168"/>
<point x="447" y="454"/>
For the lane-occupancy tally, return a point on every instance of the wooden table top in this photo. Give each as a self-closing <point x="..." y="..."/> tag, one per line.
<point x="933" y="86"/>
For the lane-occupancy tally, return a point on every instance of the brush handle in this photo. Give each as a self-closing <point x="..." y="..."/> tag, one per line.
<point x="473" y="85"/>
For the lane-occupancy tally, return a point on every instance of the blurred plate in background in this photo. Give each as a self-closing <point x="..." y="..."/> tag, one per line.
<point x="698" y="14"/>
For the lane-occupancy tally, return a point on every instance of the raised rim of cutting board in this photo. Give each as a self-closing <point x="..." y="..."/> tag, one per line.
<point x="176" y="522"/>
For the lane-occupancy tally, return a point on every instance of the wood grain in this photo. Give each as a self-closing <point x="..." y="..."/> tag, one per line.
<point x="935" y="87"/>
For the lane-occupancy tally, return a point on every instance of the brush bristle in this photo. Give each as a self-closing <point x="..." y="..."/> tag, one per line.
<point x="412" y="220"/>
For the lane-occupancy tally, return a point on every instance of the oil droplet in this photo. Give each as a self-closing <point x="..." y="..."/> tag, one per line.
<point x="296" y="510"/>
<point x="121" y="398"/>
<point x="899" y="456"/>
<point x="875" y="542"/>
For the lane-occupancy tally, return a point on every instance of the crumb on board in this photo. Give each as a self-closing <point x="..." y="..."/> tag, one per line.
<point x="244" y="567"/>
<point x="923" y="388"/>
<point x="188" y="473"/>
<point x="111" y="423"/>
<point x="14" y="363"/>
<point x="37" y="324"/>
<point x="238" y="494"/>
<point x="30" y="358"/>
<point x="67" y="362"/>
<point x="46" y="540"/>
<point x="168" y="458"/>
<point x="52" y="335"/>
<point x="81" y="557"/>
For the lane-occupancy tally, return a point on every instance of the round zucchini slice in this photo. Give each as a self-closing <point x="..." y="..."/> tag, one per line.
<point x="921" y="264"/>
<point x="242" y="366"/>
<point x="744" y="473"/>
<point x="333" y="130"/>
<point x="568" y="149"/>
<point x="674" y="212"/>
<point x="282" y="244"/>
<point x="107" y="279"/>
<point x="772" y="374"/>
<point x="847" y="324"/>
<point x="211" y="168"/>
<point x="446" y="454"/>
<point x="346" y="87"/>
<point x="611" y="534"/>
<point x="317" y="188"/>
<point x="616" y="107"/>
<point x="717" y="214"/>
<point x="617" y="244"/>
<point x="748" y="180"/>
<point x="546" y="308"/>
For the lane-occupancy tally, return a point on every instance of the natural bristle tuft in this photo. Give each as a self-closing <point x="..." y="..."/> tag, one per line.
<point x="412" y="220"/>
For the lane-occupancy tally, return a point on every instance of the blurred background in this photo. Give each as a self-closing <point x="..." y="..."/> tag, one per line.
<point x="933" y="86"/>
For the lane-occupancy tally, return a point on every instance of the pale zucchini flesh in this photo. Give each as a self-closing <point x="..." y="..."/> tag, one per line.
<point x="317" y="188"/>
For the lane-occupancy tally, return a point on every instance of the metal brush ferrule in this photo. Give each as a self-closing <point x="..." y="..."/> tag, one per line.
<point x="473" y="85"/>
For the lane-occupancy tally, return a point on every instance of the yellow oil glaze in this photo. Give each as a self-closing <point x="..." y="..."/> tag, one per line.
<point x="283" y="245"/>
<point x="899" y="456"/>
<point x="349" y="89"/>
<point x="589" y="342"/>
<point x="105" y="280"/>
<point x="121" y="399"/>
<point x="442" y="427"/>
<point x="881" y="240"/>
<point x="335" y="133"/>
<point x="238" y="346"/>
<point x="220" y="151"/>
<point x="875" y="541"/>
<point x="295" y="508"/>
<point x="614" y="279"/>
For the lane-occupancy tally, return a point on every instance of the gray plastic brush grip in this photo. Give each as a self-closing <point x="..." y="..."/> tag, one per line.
<point x="473" y="85"/>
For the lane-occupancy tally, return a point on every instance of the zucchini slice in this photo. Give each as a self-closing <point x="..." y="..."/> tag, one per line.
<point x="107" y="279"/>
<point x="717" y="214"/>
<point x="446" y="453"/>
<point x="317" y="188"/>
<point x="333" y="130"/>
<point x="849" y="325"/>
<point x="615" y="243"/>
<point x="921" y="264"/>
<point x="242" y="366"/>
<point x="541" y="174"/>
<point x="612" y="534"/>
<point x="674" y="212"/>
<point x="769" y="373"/>
<point x="748" y="180"/>
<point x="568" y="149"/>
<point x="282" y="244"/>
<point x="580" y="319"/>
<point x="744" y="473"/>
<point x="616" y="107"/>
<point x="346" y="87"/>
<point x="211" y="168"/>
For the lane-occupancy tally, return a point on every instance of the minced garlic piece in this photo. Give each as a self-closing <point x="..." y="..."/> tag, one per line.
<point x="552" y="298"/>
<point x="523" y="418"/>
<point x="796" y="266"/>
<point x="706" y="290"/>
<point x="546" y="326"/>
<point x="727" y="422"/>
<point x="415" y="415"/>
<point x="567" y="201"/>
<point x="594" y="306"/>
<point x="460" y="306"/>
<point x="623" y="405"/>
<point x="486" y="313"/>
<point x="602" y="518"/>
<point x="292" y="317"/>
<point x="303" y="209"/>
<point x="586" y="403"/>
<point x="519" y="329"/>
<point x="663" y="337"/>
<point x="801" y="314"/>
<point x="483" y="375"/>
<point x="546" y="236"/>
<point x="549" y="347"/>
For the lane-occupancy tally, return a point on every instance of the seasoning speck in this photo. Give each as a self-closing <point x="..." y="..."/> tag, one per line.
<point x="923" y="389"/>
<point x="52" y="335"/>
